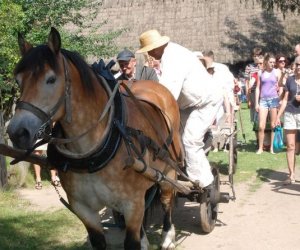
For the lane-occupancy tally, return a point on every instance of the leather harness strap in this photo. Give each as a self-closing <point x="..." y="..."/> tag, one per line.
<point x="157" y="130"/>
<point x="162" y="153"/>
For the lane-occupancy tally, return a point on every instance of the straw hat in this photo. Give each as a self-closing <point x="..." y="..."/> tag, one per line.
<point x="150" y="40"/>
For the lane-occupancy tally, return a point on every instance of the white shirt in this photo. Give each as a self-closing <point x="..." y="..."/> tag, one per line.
<point x="225" y="79"/>
<point x="187" y="79"/>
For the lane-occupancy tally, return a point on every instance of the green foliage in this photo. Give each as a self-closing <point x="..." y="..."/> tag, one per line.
<point x="74" y="19"/>
<point x="11" y="20"/>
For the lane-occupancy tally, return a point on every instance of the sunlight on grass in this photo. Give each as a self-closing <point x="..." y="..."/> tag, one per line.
<point x="249" y="163"/>
<point x="21" y="228"/>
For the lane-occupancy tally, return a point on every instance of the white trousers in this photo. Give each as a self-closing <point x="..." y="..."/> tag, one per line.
<point x="196" y="122"/>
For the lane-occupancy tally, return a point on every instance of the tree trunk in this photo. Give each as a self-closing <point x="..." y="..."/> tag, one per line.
<point x="3" y="169"/>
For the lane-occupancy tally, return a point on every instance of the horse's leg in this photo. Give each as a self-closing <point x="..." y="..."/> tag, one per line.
<point x="134" y="232"/>
<point x="168" y="233"/>
<point x="92" y="222"/>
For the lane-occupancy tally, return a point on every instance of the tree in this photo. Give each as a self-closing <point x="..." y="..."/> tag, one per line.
<point x="34" y="18"/>
<point x="284" y="6"/>
<point x="11" y="18"/>
<point x="74" y="19"/>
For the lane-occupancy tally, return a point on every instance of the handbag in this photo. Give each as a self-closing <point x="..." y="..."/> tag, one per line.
<point x="278" y="139"/>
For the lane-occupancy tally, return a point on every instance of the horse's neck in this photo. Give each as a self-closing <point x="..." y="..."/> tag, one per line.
<point x="86" y="111"/>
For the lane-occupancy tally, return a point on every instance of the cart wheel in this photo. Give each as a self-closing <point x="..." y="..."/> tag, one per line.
<point x="209" y="211"/>
<point x="232" y="155"/>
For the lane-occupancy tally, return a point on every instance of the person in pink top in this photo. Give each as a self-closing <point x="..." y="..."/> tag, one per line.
<point x="267" y="99"/>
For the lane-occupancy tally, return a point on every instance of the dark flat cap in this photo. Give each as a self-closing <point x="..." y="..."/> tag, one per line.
<point x="125" y="55"/>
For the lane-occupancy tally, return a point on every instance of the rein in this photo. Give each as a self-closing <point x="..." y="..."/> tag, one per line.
<point x="108" y="106"/>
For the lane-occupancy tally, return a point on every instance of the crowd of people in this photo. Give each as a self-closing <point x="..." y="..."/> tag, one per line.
<point x="204" y="90"/>
<point x="272" y="92"/>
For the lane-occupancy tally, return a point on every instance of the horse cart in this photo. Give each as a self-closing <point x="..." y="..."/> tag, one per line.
<point x="108" y="146"/>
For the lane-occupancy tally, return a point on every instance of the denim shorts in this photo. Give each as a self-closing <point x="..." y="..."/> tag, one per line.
<point x="269" y="103"/>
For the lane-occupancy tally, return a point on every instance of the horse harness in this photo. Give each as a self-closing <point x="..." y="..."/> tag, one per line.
<point x="117" y="131"/>
<point x="108" y="148"/>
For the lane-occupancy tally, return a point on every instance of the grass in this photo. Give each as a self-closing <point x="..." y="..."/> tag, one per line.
<point x="251" y="167"/>
<point x="21" y="228"/>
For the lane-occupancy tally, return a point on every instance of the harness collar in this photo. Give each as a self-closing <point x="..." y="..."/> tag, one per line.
<point x="103" y="153"/>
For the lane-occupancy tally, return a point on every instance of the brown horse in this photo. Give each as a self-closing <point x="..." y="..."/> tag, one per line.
<point x="100" y="135"/>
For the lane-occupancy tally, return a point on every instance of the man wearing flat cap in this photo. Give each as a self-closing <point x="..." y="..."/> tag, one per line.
<point x="131" y="70"/>
<point x="197" y="95"/>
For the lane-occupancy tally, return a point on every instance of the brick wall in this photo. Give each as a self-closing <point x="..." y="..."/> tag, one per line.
<point x="228" y="27"/>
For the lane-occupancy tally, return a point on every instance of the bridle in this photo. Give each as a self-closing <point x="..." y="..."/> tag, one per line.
<point x="45" y="131"/>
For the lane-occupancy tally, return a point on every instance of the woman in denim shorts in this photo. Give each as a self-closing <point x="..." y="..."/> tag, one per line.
<point x="267" y="99"/>
<point x="291" y="108"/>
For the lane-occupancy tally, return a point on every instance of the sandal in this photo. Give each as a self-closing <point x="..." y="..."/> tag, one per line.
<point x="38" y="185"/>
<point x="289" y="181"/>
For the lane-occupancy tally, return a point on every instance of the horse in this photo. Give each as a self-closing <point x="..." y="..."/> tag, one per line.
<point x="95" y="142"/>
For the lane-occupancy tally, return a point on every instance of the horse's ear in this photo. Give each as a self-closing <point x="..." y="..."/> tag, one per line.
<point x="23" y="45"/>
<point x="54" y="41"/>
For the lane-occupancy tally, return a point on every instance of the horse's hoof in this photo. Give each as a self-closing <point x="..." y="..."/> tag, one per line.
<point x="169" y="246"/>
<point x="168" y="239"/>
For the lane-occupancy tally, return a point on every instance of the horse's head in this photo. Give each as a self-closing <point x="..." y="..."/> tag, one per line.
<point x="41" y="76"/>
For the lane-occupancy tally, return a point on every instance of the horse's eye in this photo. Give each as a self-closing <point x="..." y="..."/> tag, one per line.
<point x="51" y="80"/>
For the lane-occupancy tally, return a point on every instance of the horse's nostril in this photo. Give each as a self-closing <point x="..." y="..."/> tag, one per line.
<point x="21" y="139"/>
<point x="22" y="132"/>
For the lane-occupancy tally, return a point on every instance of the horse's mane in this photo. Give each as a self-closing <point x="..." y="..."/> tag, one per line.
<point x="83" y="68"/>
<point x="36" y="58"/>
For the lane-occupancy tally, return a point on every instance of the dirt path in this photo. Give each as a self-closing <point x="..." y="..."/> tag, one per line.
<point x="268" y="218"/>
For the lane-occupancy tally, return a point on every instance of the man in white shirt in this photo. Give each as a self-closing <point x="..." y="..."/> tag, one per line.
<point x="225" y="80"/>
<point x="196" y="93"/>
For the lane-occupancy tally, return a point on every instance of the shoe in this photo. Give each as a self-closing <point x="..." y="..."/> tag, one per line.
<point x="258" y="152"/>
<point x="38" y="185"/>
<point x="289" y="181"/>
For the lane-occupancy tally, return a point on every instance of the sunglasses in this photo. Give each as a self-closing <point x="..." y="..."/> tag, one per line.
<point x="281" y="61"/>
<point x="297" y="64"/>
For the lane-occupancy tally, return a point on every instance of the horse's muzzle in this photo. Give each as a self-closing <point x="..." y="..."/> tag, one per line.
<point x="22" y="130"/>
